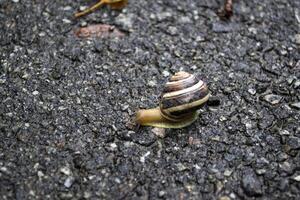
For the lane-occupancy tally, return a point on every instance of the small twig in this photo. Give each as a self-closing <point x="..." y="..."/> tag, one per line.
<point x="226" y="11"/>
<point x="114" y="4"/>
<point x="91" y="9"/>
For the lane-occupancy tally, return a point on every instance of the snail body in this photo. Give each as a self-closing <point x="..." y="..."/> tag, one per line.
<point x="180" y="100"/>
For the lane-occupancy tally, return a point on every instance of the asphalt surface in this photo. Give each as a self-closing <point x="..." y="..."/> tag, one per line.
<point x="66" y="101"/>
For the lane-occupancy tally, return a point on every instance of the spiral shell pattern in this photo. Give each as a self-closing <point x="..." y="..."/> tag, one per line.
<point x="182" y="95"/>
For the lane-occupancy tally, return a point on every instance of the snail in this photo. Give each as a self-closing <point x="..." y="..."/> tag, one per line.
<point x="179" y="102"/>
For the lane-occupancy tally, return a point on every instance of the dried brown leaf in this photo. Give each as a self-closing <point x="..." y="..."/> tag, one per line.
<point x="118" y="5"/>
<point x="99" y="30"/>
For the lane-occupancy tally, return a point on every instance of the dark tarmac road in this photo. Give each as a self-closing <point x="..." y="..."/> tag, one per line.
<point x="65" y="101"/>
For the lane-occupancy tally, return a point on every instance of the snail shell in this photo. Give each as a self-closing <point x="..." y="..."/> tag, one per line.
<point x="182" y="96"/>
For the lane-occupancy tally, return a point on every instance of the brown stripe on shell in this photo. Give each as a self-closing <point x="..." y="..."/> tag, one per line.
<point x="184" y="98"/>
<point x="182" y="95"/>
<point x="179" y="112"/>
<point x="180" y="84"/>
<point x="194" y="87"/>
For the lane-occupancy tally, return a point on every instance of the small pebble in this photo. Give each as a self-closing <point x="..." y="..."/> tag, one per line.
<point x="284" y="132"/>
<point x="184" y="20"/>
<point x="124" y="107"/>
<point x="142" y="158"/>
<point x="163" y="15"/>
<point x="31" y="192"/>
<point x="161" y="193"/>
<point x="82" y="8"/>
<point x="251" y="184"/>
<point x="252" y="91"/>
<point x="83" y="24"/>
<point x="294" y="142"/>
<point x="222" y="118"/>
<point x="261" y="171"/>
<point x="151" y="83"/>
<point x="172" y="30"/>
<point x="125" y="21"/>
<point x="87" y="195"/>
<point x="69" y="182"/>
<point x="35" y="92"/>
<point x="215" y="138"/>
<point x="283" y="52"/>
<point x="40" y="174"/>
<point x="194" y="67"/>
<point x="227" y="172"/>
<point x="67" y="8"/>
<point x="152" y="16"/>
<point x="286" y="167"/>
<point x="67" y="21"/>
<point x="232" y="195"/>
<point x="297" y="84"/>
<point x="166" y="73"/>
<point x="297" y="15"/>
<point x="290" y="80"/>
<point x="159" y="132"/>
<point x="113" y="146"/>
<point x="61" y="108"/>
<point x="282" y="157"/>
<point x="272" y="99"/>
<point x="199" y="38"/>
<point x="65" y="170"/>
<point x="297" y="38"/>
<point x="296" y="105"/>
<point x="4" y="169"/>
<point x="194" y="141"/>
<point x="297" y="178"/>
<point x="181" y="167"/>
<point x="252" y="30"/>
<point x="2" y="80"/>
<point x="25" y="76"/>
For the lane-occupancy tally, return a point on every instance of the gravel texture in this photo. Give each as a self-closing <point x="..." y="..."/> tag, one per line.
<point x="66" y="101"/>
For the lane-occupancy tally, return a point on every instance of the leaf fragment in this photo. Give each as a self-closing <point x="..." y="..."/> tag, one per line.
<point x="99" y="30"/>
